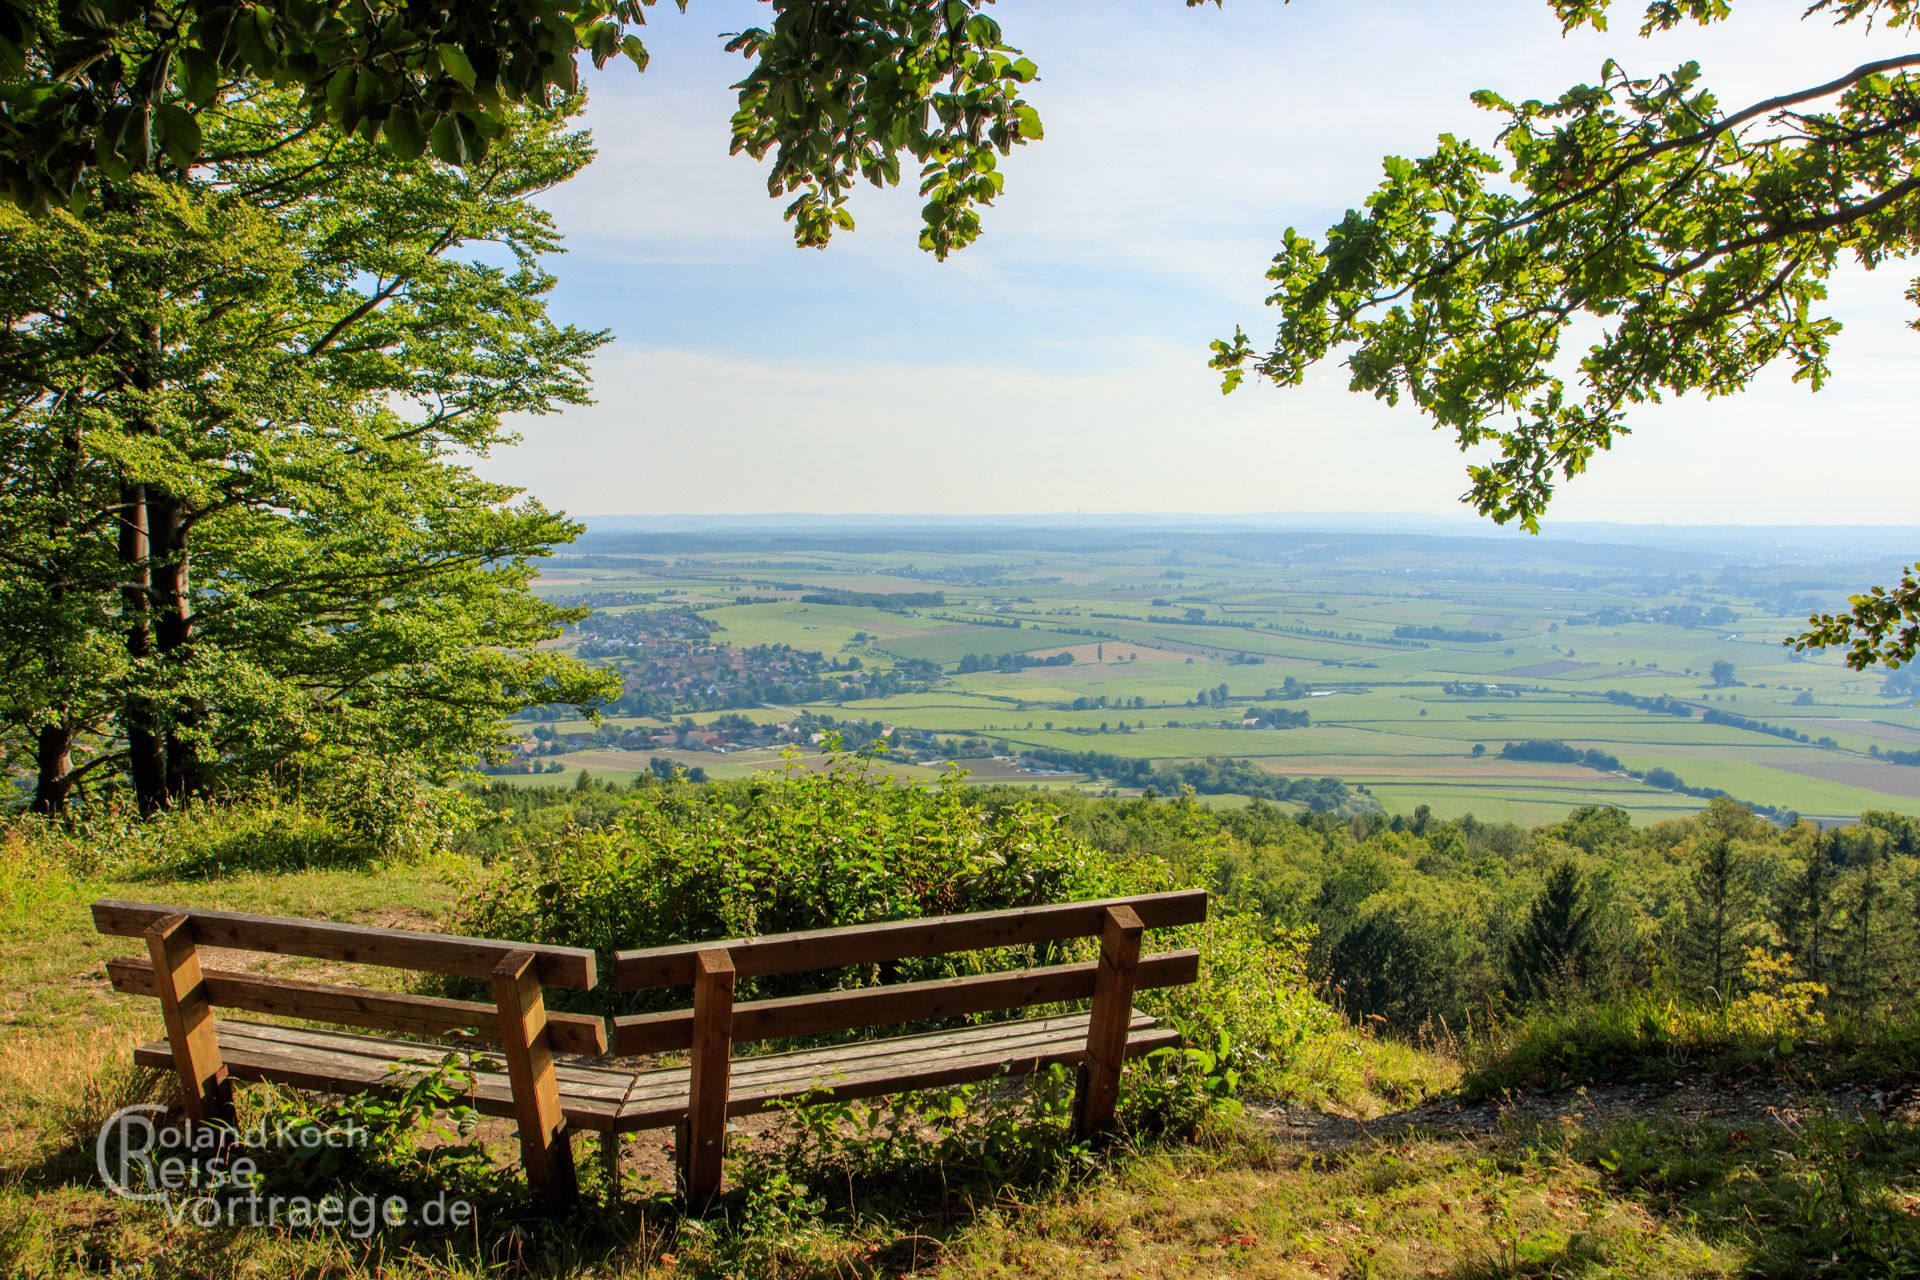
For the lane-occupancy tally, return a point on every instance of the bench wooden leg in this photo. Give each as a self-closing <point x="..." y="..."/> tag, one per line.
<point x="545" y="1146"/>
<point x="610" y="1162"/>
<point x="702" y="1145"/>
<point x="205" y="1094"/>
<point x="1107" y="1027"/>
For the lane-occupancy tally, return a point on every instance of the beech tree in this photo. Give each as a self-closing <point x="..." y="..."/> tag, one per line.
<point x="236" y="399"/>
<point x="1697" y="235"/>
<point x="836" y="91"/>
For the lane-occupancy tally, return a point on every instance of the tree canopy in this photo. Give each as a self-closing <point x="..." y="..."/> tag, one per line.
<point x="235" y="410"/>
<point x="836" y="91"/>
<point x="1696" y="236"/>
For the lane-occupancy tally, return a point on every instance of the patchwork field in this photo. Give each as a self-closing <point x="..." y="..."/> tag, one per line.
<point x="1417" y="663"/>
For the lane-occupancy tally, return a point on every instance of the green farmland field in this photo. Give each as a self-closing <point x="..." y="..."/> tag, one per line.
<point x="1417" y="660"/>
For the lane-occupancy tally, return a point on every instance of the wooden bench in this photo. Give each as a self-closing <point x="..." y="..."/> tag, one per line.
<point x="699" y="1097"/>
<point x="545" y="1097"/>
<point x="548" y="1096"/>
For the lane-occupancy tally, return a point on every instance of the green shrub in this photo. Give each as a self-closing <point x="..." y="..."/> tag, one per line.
<point x="195" y="841"/>
<point x="797" y="851"/>
<point x="840" y="847"/>
<point x="1651" y="1034"/>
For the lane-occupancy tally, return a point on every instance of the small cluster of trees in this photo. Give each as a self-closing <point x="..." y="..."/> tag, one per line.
<point x="1446" y="635"/>
<point x="972" y="662"/>
<point x="1474" y="689"/>
<point x="1278" y="718"/>
<point x="1553" y="752"/>
<point x="1212" y="776"/>
<point x="892" y="601"/>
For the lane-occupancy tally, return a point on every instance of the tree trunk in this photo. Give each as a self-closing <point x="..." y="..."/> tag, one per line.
<point x="146" y="750"/>
<point x="173" y="638"/>
<point x="54" y="758"/>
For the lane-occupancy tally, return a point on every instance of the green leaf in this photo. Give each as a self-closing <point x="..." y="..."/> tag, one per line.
<point x="198" y="75"/>
<point x="454" y="59"/>
<point x="178" y="133"/>
<point x="449" y="143"/>
<point x="636" y="51"/>
<point x="1029" y="120"/>
<point x="404" y="133"/>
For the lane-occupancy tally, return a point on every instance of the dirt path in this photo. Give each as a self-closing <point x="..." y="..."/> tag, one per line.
<point x="1736" y="1105"/>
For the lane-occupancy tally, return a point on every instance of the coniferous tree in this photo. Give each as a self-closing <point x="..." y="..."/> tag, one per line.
<point x="1717" y="915"/>
<point x="1806" y="911"/>
<point x="1555" y="946"/>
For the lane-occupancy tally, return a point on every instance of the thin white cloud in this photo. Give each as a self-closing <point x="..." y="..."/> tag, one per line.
<point x="1180" y="144"/>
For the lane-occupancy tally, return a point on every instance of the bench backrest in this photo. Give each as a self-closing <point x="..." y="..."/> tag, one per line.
<point x="419" y="952"/>
<point x="681" y="965"/>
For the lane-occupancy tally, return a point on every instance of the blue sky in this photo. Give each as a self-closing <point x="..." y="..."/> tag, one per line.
<point x="1059" y="363"/>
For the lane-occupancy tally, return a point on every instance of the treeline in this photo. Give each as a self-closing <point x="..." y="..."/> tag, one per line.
<point x="1665" y="779"/>
<point x="1713" y="715"/>
<point x="891" y="600"/>
<point x="1665" y="704"/>
<point x="1420" y="922"/>
<point x="972" y="662"/>
<point x="1428" y="923"/>
<point x="1446" y="635"/>
<point x="1210" y="777"/>
<point x="1671" y="615"/>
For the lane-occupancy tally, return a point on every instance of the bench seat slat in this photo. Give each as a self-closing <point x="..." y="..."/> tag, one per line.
<point x="672" y="966"/>
<point x="583" y="1078"/>
<point x="898" y="1002"/>
<point x="889" y="1066"/>
<point x="607" y="1099"/>
<point x="358" y="1006"/>
<point x="283" y="1057"/>
<point x="571" y="967"/>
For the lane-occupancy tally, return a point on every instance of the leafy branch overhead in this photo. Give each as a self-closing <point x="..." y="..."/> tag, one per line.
<point x="837" y="90"/>
<point x="1630" y="240"/>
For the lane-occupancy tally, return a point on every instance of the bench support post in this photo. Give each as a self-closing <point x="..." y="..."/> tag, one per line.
<point x="178" y="982"/>
<point x="545" y="1146"/>
<point x="1107" y="1026"/>
<point x="702" y="1143"/>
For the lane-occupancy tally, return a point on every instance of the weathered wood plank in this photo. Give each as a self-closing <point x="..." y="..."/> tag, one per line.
<point x="570" y="967"/>
<point x="1107" y="1021"/>
<point x="609" y="1081"/>
<point x="702" y="1153"/>
<point x="328" y="1071"/>
<point x="188" y="1015"/>
<point x="901" y="1002"/>
<point x="894" y="940"/>
<point x="657" y="1100"/>
<point x="1005" y="1039"/>
<point x="356" y="1006"/>
<point x="546" y="1149"/>
<point x="919" y="1073"/>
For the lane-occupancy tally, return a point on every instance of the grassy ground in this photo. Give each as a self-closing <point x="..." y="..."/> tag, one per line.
<point x="1365" y="1183"/>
